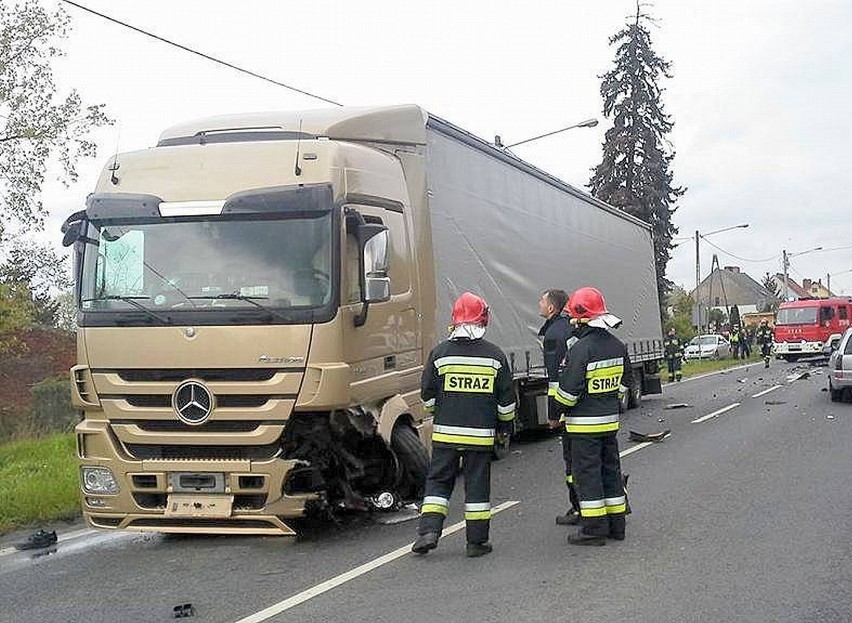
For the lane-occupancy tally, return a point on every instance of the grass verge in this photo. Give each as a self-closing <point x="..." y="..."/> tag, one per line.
<point x="38" y="481"/>
<point x="694" y="367"/>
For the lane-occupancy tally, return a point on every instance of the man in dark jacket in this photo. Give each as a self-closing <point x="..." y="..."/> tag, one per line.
<point x="467" y="385"/>
<point x="556" y="335"/>
<point x="674" y="355"/>
<point x="595" y="378"/>
<point x="764" y="339"/>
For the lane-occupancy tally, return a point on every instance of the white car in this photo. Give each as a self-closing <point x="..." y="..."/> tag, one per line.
<point x="707" y="347"/>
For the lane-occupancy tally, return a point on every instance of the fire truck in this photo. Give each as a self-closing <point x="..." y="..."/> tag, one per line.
<point x="808" y="327"/>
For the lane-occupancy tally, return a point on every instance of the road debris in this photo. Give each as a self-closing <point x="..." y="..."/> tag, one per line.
<point x="798" y="377"/>
<point x="678" y="405"/>
<point x="742" y="380"/>
<point x="830" y="417"/>
<point x="183" y="610"/>
<point x="654" y="437"/>
<point x="775" y="402"/>
<point x="38" y="540"/>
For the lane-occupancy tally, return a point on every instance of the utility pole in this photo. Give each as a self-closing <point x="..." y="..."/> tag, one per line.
<point x="785" y="263"/>
<point x="698" y="322"/>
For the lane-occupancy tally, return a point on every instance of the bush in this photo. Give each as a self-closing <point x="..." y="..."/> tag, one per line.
<point x="51" y="412"/>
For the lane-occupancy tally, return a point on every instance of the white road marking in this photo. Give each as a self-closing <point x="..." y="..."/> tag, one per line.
<point x="635" y="448"/>
<point x="326" y="586"/>
<point x="716" y="413"/>
<point x="766" y="391"/>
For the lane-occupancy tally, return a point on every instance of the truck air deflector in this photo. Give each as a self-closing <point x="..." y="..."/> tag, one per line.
<point x="101" y="206"/>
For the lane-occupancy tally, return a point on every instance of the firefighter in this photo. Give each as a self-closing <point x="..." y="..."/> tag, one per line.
<point x="595" y="379"/>
<point x="764" y="338"/>
<point x="674" y="355"/>
<point x="557" y="337"/>
<point x="467" y="385"/>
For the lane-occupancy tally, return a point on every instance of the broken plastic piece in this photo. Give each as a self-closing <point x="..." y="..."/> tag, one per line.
<point x="655" y="437"/>
<point x="38" y="540"/>
<point x="678" y="405"/>
<point x="183" y="611"/>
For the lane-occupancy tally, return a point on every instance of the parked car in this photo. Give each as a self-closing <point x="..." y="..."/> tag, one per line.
<point x="707" y="347"/>
<point x="840" y="368"/>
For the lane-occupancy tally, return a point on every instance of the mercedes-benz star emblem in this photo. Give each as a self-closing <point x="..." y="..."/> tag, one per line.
<point x="192" y="402"/>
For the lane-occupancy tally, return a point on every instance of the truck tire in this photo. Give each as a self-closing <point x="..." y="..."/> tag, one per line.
<point x="413" y="460"/>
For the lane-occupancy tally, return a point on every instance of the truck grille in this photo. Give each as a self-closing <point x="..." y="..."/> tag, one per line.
<point x="214" y="426"/>
<point x="202" y="453"/>
<point x="205" y="374"/>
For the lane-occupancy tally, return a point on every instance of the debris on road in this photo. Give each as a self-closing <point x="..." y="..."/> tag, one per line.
<point x="798" y="377"/>
<point x="775" y="402"/>
<point x="830" y="417"/>
<point x="678" y="405"/>
<point x="661" y="419"/>
<point x="406" y="513"/>
<point x="183" y="611"/>
<point x="654" y="437"/>
<point x="38" y="540"/>
<point x="742" y="380"/>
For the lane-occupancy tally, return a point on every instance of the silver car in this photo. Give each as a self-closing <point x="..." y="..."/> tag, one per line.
<point x="840" y="368"/>
<point x="707" y="347"/>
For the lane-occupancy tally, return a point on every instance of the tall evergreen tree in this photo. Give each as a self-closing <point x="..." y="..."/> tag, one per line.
<point x="635" y="172"/>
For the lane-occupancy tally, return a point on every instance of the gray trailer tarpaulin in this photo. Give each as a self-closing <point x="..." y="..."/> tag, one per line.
<point x="508" y="231"/>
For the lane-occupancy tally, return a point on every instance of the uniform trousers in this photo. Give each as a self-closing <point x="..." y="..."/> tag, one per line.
<point x="446" y="464"/>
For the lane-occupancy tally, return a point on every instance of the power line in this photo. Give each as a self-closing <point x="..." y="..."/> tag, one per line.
<point x="742" y="259"/>
<point x="201" y="54"/>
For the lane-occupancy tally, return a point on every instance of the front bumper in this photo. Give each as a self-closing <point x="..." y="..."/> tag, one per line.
<point x="798" y="348"/>
<point x="247" y="497"/>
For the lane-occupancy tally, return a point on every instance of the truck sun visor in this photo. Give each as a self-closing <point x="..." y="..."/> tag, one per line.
<point x="309" y="198"/>
<point x="101" y="206"/>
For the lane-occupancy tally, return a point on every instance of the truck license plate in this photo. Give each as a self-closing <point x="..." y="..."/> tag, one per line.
<point x="182" y="505"/>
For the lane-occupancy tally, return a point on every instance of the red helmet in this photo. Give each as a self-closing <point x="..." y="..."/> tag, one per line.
<point x="470" y="309"/>
<point x="587" y="304"/>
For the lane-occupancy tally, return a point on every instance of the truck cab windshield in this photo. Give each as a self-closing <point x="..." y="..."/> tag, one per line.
<point x="245" y="263"/>
<point x="797" y="315"/>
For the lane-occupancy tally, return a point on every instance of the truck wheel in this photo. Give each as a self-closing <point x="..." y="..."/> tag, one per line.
<point x="413" y="461"/>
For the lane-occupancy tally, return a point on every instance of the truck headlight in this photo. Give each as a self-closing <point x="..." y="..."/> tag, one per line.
<point x="98" y="480"/>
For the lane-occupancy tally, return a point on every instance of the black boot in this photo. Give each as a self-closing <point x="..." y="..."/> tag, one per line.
<point x="571" y="518"/>
<point x="583" y="538"/>
<point x="425" y="542"/>
<point x="617" y="528"/>
<point x="474" y="550"/>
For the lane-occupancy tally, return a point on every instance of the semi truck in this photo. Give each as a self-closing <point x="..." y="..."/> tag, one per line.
<point x="257" y="295"/>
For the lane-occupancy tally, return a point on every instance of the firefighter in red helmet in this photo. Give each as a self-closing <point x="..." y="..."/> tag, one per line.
<point x="594" y="380"/>
<point x="467" y="385"/>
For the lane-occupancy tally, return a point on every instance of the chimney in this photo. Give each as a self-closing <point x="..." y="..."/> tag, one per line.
<point x="733" y="269"/>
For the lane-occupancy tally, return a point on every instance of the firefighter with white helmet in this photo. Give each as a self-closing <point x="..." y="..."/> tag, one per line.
<point x="595" y="379"/>
<point x="765" y="338"/>
<point x="467" y="385"/>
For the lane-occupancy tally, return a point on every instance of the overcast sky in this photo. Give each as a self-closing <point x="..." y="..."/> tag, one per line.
<point x="760" y="95"/>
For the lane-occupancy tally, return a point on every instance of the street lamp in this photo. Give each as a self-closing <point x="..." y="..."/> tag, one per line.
<point x="828" y="278"/>
<point x="588" y="123"/>
<point x="786" y="263"/>
<point x="698" y="237"/>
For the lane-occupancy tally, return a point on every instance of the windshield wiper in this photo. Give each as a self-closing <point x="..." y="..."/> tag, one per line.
<point x="236" y="296"/>
<point x="131" y="300"/>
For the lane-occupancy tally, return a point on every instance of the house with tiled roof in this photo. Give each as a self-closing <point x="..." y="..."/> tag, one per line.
<point x="729" y="286"/>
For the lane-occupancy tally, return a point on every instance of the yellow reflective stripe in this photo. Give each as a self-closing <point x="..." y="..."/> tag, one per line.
<point x="462" y="369"/>
<point x="434" y="508"/>
<point x="591" y="428"/>
<point x="593" y="512"/>
<point x="506" y="417"/>
<point x="477" y="515"/>
<point x="463" y="439"/>
<point x="569" y="479"/>
<point x="617" y="509"/>
<point x="604" y="372"/>
<point x="565" y="398"/>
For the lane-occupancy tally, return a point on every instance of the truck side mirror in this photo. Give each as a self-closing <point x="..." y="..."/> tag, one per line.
<point x="376" y="280"/>
<point x="74" y="228"/>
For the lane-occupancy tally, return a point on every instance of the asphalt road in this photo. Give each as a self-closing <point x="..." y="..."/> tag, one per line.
<point x="741" y="516"/>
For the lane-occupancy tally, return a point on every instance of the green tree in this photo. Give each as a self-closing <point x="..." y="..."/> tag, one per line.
<point x="42" y="272"/>
<point x="681" y="305"/>
<point x="635" y="172"/>
<point x="735" y="316"/>
<point x="16" y="312"/>
<point x="37" y="123"/>
<point x="770" y="284"/>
